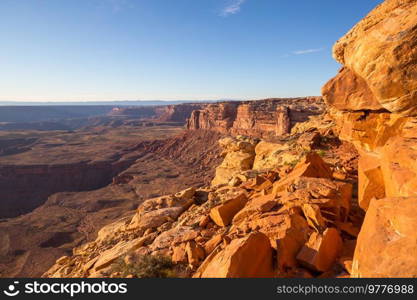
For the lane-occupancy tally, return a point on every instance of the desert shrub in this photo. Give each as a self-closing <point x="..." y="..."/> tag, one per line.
<point x="321" y="153"/>
<point x="145" y="266"/>
<point x="292" y="164"/>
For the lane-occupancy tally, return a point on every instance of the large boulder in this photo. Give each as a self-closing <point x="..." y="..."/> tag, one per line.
<point x="223" y="214"/>
<point x="321" y="250"/>
<point x="174" y="237"/>
<point x="272" y="155"/>
<point x="374" y="99"/>
<point x="312" y="165"/>
<point x="239" y="154"/>
<point x="379" y="56"/>
<point x="122" y="248"/>
<point x="156" y="211"/>
<point x="387" y="243"/>
<point x="348" y="91"/>
<point x="249" y="257"/>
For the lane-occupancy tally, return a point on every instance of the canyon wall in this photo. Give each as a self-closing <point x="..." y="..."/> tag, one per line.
<point x="23" y="188"/>
<point x="262" y="118"/>
<point x="162" y="113"/>
<point x="176" y="113"/>
<point x="373" y="100"/>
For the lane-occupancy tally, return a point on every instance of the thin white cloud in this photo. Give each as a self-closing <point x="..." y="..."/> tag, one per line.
<point x="307" y="51"/>
<point x="117" y="5"/>
<point x="232" y="8"/>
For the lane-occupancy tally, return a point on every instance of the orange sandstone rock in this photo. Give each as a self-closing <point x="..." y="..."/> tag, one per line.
<point x="348" y="91"/>
<point x="312" y="165"/>
<point x="291" y="241"/>
<point x="195" y="253"/>
<point x="249" y="257"/>
<point x="387" y="243"/>
<point x="213" y="243"/>
<point x="179" y="254"/>
<point x="321" y="251"/>
<point x="380" y="50"/>
<point x="223" y="214"/>
<point x="371" y="181"/>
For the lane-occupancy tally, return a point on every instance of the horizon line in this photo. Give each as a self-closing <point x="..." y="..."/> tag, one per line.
<point x="160" y="100"/>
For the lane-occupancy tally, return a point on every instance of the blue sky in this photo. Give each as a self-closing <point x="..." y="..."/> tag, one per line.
<point x="62" y="50"/>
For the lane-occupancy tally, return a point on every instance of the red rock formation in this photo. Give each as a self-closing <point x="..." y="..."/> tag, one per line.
<point x="374" y="103"/>
<point x="261" y="118"/>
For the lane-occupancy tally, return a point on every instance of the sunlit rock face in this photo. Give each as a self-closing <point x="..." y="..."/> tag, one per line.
<point x="373" y="100"/>
<point x="379" y="58"/>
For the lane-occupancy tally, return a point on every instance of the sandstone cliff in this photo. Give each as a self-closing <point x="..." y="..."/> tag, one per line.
<point x="262" y="118"/>
<point x="373" y="100"/>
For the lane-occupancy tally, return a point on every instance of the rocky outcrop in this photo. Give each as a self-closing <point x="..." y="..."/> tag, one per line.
<point x="239" y="155"/>
<point x="380" y="53"/>
<point x="262" y="118"/>
<point x="374" y="103"/>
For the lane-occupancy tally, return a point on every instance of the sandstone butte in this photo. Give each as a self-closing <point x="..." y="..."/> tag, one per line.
<point x="284" y="202"/>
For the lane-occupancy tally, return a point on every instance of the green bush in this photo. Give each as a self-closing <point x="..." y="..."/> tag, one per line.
<point x="321" y="153"/>
<point x="292" y="164"/>
<point x="146" y="266"/>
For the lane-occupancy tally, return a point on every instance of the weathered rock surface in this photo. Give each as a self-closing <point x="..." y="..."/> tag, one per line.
<point x="387" y="243"/>
<point x="373" y="101"/>
<point x="321" y="250"/>
<point x="249" y="257"/>
<point x="155" y="212"/>
<point x="239" y="156"/>
<point x="348" y="91"/>
<point x="223" y="214"/>
<point x="380" y="50"/>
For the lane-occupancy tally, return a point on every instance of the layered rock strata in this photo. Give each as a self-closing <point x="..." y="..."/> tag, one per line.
<point x="263" y="118"/>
